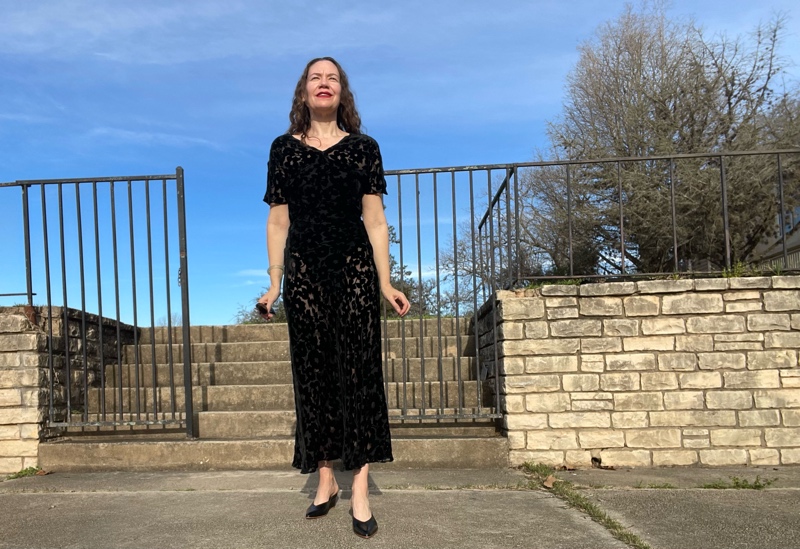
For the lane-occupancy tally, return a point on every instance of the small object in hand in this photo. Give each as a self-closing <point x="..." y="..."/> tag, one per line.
<point x="263" y="311"/>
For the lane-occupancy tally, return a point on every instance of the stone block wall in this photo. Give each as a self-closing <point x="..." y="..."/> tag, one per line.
<point x="650" y="373"/>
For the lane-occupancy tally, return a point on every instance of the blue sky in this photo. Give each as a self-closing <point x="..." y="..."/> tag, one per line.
<point x="97" y="88"/>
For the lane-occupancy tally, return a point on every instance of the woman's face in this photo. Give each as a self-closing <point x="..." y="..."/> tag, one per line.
<point x="323" y="87"/>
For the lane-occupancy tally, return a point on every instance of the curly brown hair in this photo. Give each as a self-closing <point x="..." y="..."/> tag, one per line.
<point x="347" y="117"/>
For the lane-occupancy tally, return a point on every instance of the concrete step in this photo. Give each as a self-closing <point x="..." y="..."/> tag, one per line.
<point x="279" y="371"/>
<point x="247" y="425"/>
<point x="448" y="346"/>
<point x="412" y="327"/>
<point x="280" y="397"/>
<point x="87" y="454"/>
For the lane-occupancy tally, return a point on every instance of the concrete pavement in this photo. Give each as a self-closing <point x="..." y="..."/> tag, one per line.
<point x="415" y="509"/>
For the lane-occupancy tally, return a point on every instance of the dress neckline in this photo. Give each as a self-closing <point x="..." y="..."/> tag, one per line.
<point x="293" y="138"/>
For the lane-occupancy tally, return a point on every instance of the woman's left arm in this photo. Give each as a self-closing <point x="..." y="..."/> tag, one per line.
<point x="378" y="232"/>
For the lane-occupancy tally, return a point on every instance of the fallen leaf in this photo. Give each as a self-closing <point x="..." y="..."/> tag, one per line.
<point x="42" y="472"/>
<point x="549" y="481"/>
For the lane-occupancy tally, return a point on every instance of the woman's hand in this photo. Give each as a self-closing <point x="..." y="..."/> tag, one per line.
<point x="269" y="299"/>
<point x="396" y="298"/>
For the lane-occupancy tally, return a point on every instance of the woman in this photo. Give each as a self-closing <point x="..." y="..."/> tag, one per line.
<point x="327" y="233"/>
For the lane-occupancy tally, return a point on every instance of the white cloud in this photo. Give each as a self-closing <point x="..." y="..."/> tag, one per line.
<point x="151" y="138"/>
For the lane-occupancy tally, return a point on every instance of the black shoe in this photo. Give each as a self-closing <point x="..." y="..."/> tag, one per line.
<point x="365" y="529"/>
<point x="317" y="511"/>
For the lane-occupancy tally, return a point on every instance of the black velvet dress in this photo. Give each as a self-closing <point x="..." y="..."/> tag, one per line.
<point x="332" y="299"/>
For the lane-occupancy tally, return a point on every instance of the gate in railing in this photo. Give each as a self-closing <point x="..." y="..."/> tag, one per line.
<point x="107" y="245"/>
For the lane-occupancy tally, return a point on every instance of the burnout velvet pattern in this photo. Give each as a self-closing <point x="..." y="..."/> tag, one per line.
<point x="332" y="299"/>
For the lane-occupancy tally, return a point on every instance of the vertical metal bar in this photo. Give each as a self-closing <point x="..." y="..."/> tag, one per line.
<point x="85" y="414"/>
<point x="674" y="214"/>
<point x="50" y="364"/>
<point x="438" y="297"/>
<point x="459" y="382"/>
<point x="509" y="257"/>
<point x="490" y="251"/>
<point x="621" y="220"/>
<point x="65" y="327"/>
<point x="783" y="214"/>
<point x="184" y="275"/>
<point x="403" y="358"/>
<point x="569" y="222"/>
<point x="516" y="226"/>
<point x="482" y="267"/>
<point x="475" y="271"/>
<point x="493" y="294"/>
<point x="725" y="220"/>
<point x="26" y="231"/>
<point x="135" y="305"/>
<point x="100" y="330"/>
<point x="421" y="308"/>
<point x="154" y="365"/>
<point x="120" y="402"/>
<point x="169" y="301"/>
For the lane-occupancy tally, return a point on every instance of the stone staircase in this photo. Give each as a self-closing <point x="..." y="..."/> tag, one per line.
<point x="244" y="403"/>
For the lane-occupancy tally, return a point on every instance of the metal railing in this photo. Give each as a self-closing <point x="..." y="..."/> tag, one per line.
<point x="107" y="235"/>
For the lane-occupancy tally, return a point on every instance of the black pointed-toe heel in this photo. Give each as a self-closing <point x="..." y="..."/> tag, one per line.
<point x="317" y="511"/>
<point x="365" y="529"/>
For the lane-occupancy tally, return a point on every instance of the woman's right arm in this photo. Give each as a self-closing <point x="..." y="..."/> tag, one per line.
<point x="277" y="230"/>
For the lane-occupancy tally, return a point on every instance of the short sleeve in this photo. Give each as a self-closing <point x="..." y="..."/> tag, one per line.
<point x="376" y="183"/>
<point x="276" y="177"/>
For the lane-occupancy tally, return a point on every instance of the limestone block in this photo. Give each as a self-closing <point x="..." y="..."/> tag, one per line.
<point x="764" y="456"/>
<point x="620" y="327"/>
<point x="575" y="328"/>
<point x="670" y="458"/>
<point x="512" y="404"/>
<point x="517" y="458"/>
<point x="629" y="420"/>
<point x="790" y="457"/>
<point x="526" y="347"/>
<point x="561" y="302"/>
<point x="510" y="330"/>
<point x="716" y="324"/>
<point x="10" y="397"/>
<point x="608" y="288"/>
<point x="601" y="345"/>
<point x="684" y="400"/>
<point x="763" y="360"/>
<point x="581" y="382"/>
<point x="694" y="343"/>
<point x="725" y="338"/>
<point x="531" y="384"/>
<point x="653" y="438"/>
<point x="785" y="282"/>
<point x="792" y="382"/>
<point x="630" y="402"/>
<point x="696" y="443"/>
<point x="741" y="346"/>
<point x="11" y="323"/>
<point x="605" y="438"/>
<point x="536" y="329"/>
<point x="26" y="377"/>
<point x="642" y="305"/>
<point x="11" y="359"/>
<point x="524" y="308"/>
<point x="592" y="363"/>
<point x="721" y="361"/>
<point x="744" y="283"/>
<point x="516" y="440"/>
<point x="638" y="361"/>
<point x="743" y="307"/>
<point x="695" y="432"/>
<point x="625" y="458"/>
<point x="791" y="418"/>
<point x="19" y="448"/>
<point x="659" y="381"/>
<point x="760" y="418"/>
<point x="21" y="342"/>
<point x="565" y="312"/>
<point x="559" y="290"/>
<point x="553" y="439"/>
<point x="525" y="422"/>
<point x="768" y="322"/>
<point x="652" y="343"/>
<point x="694" y="418"/>
<point x="544" y="364"/>
<point x="663" y="326"/>
<point x="742" y="295"/>
<point x="571" y="420"/>
<point x="700" y="380"/>
<point x="601" y="306"/>
<point x="14" y="415"/>
<point x="790" y="340"/>
<point x="729" y="400"/>
<point x="782" y="437"/>
<point x="723" y="457"/>
<point x="782" y="300"/>
<point x="677" y="362"/>
<point x="9" y="432"/>
<point x="590" y="405"/>
<point x="664" y="286"/>
<point x="710" y="284"/>
<point x="10" y="465"/>
<point x="736" y="437"/>
<point x="628" y="381"/>
<point x="775" y="398"/>
<point x="763" y="379"/>
<point x="547" y="402"/>
<point x="578" y="459"/>
<point x="691" y="304"/>
<point x="512" y="365"/>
